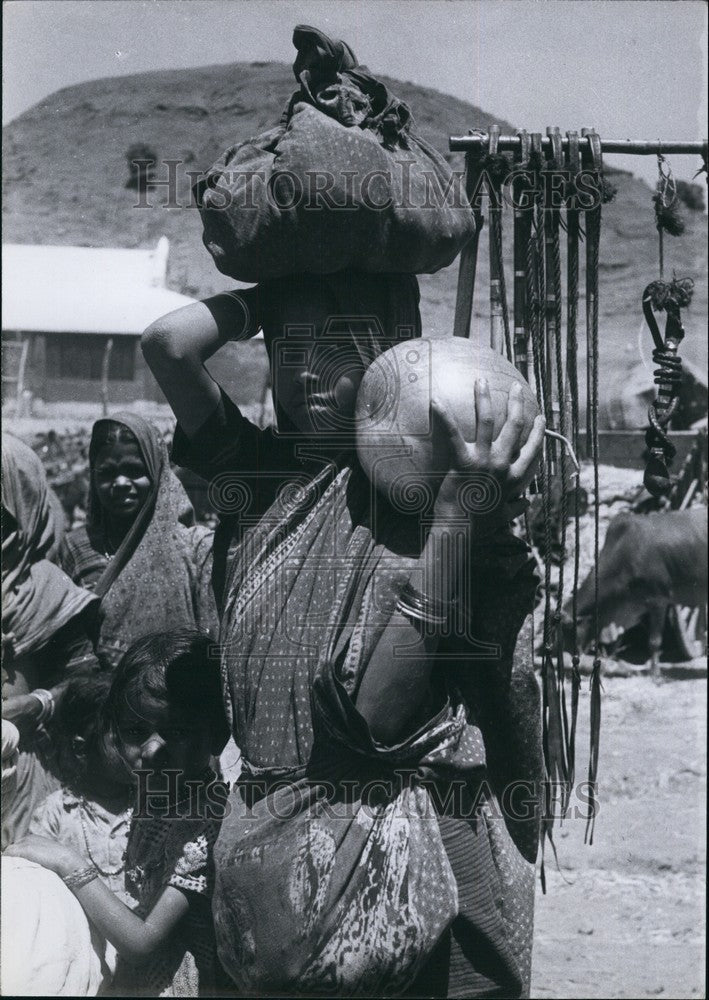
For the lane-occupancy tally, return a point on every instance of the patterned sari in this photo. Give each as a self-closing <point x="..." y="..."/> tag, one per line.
<point x="339" y="870"/>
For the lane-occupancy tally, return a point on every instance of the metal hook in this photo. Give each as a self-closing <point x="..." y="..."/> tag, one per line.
<point x="569" y="450"/>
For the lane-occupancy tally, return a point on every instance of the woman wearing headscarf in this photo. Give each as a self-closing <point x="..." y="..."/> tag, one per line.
<point x="339" y="676"/>
<point x="48" y="626"/>
<point x="150" y="570"/>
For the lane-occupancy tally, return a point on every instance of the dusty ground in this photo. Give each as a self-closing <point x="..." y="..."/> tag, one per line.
<point x="625" y="917"/>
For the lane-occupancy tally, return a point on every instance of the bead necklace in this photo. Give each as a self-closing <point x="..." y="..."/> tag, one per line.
<point x="126" y="815"/>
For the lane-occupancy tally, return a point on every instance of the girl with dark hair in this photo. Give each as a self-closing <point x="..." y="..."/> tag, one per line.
<point x="138" y="551"/>
<point x="92" y="810"/>
<point x="163" y="720"/>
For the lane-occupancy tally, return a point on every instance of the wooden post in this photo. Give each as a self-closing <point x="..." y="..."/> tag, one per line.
<point x="467" y="265"/>
<point x="105" y="361"/>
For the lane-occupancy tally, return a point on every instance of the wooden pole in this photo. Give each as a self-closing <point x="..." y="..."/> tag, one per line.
<point x="105" y="361"/>
<point x="478" y="143"/>
<point x="467" y="265"/>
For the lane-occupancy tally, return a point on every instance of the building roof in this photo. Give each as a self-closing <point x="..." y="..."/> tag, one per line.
<point x="65" y="289"/>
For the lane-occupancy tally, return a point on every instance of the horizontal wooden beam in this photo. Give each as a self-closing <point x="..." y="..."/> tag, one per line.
<point x="478" y="143"/>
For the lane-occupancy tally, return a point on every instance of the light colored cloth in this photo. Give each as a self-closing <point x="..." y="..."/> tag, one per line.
<point x="38" y="598"/>
<point x="10" y="756"/>
<point x="10" y="743"/>
<point x="160" y="577"/>
<point x="98" y="834"/>
<point x="48" y="949"/>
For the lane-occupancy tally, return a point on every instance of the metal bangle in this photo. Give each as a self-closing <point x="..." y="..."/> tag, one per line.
<point x="46" y="700"/>
<point x="79" y="878"/>
<point x="413" y="604"/>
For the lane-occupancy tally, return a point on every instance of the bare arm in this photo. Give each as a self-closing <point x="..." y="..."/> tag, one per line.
<point x="177" y="346"/>
<point x="132" y="936"/>
<point x="396" y="684"/>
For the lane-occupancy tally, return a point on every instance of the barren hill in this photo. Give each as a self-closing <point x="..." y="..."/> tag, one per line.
<point x="66" y="170"/>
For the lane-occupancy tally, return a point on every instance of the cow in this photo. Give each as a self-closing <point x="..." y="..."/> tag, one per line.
<point x="649" y="564"/>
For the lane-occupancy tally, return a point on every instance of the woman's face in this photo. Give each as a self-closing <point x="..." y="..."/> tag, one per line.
<point x="121" y="480"/>
<point x="316" y="384"/>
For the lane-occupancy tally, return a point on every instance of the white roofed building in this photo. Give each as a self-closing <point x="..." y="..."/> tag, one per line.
<point x="72" y="319"/>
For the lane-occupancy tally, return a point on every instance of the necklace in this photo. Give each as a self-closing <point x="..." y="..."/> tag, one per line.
<point x="109" y="550"/>
<point x="83" y="808"/>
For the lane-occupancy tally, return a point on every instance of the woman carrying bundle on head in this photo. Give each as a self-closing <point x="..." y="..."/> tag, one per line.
<point x="364" y="852"/>
<point x="138" y="550"/>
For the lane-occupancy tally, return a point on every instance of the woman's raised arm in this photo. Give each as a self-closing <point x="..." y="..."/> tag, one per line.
<point x="395" y="688"/>
<point x="177" y="345"/>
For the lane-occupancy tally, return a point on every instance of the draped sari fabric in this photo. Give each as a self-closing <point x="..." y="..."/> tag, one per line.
<point x="159" y="578"/>
<point x="344" y="866"/>
<point x="38" y="598"/>
<point x="332" y="874"/>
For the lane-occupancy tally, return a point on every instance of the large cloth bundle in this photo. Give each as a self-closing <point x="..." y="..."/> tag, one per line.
<point x="343" y="182"/>
<point x="48" y="946"/>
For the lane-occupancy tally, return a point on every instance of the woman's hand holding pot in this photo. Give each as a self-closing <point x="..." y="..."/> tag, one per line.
<point x="487" y="476"/>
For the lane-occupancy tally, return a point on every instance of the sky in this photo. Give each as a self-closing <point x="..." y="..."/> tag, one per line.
<point x="629" y="68"/>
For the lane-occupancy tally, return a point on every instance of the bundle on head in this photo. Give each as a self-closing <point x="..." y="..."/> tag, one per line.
<point x="342" y="182"/>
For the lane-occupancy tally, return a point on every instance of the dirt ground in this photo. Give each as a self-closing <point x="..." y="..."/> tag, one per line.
<point x="625" y="917"/>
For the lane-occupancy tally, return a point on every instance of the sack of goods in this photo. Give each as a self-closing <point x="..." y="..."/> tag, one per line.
<point x="343" y="182"/>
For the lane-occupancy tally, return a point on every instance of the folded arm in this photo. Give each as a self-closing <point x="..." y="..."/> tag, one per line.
<point x="177" y="346"/>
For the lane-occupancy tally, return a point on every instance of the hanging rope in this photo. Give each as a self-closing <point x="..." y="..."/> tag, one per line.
<point x="554" y="334"/>
<point x="593" y="240"/>
<point x="667" y="217"/>
<point x="553" y="301"/>
<point x="522" y="224"/>
<point x="533" y="303"/>
<point x="572" y="381"/>
<point x="552" y="725"/>
<point x="670" y="298"/>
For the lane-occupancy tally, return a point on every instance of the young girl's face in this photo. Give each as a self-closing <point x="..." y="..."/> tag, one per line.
<point x="156" y="736"/>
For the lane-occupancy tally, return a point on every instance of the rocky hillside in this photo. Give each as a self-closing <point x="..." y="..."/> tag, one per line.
<point x="65" y="174"/>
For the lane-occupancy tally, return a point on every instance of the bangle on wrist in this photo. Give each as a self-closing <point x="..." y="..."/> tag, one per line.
<point x="46" y="700"/>
<point x="79" y="878"/>
<point x="413" y="604"/>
